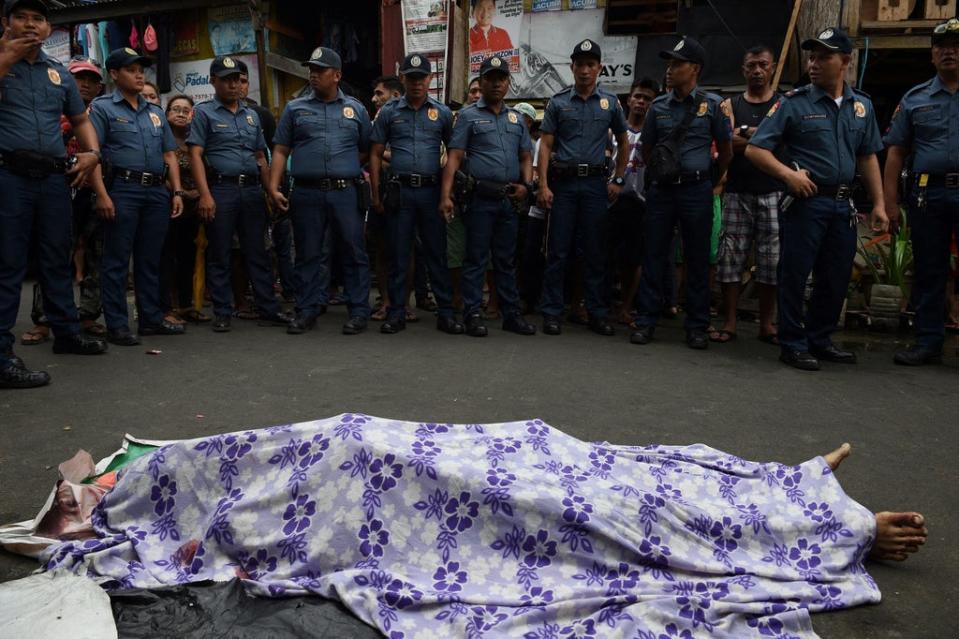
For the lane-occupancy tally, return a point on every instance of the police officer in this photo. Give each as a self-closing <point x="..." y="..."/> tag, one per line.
<point x="573" y="188"/>
<point x="228" y="160"/>
<point x="829" y="129"/>
<point x="132" y="197"/>
<point x="683" y="191"/>
<point x="926" y="126"/>
<point x="35" y="91"/>
<point x="500" y="161"/>
<point x="415" y="126"/>
<point x="327" y="134"/>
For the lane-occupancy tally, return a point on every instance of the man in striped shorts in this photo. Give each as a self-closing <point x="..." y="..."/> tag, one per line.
<point x="751" y="204"/>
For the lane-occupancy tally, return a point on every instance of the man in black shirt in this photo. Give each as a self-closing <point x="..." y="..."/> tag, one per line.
<point x="751" y="203"/>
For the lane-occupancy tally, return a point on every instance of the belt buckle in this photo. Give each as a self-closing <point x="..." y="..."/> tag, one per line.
<point x="582" y="170"/>
<point x="326" y="184"/>
<point x="146" y="179"/>
<point x="952" y="180"/>
<point x="416" y="180"/>
<point x="241" y="180"/>
<point x="843" y="192"/>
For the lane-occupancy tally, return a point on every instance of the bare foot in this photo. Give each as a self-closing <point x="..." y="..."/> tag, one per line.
<point x="898" y="535"/>
<point x="835" y="457"/>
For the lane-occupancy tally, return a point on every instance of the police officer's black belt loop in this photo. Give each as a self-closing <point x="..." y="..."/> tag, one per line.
<point x="491" y="190"/>
<point x="948" y="180"/>
<point x="139" y="177"/>
<point x="244" y="179"/>
<point x="835" y="191"/>
<point x="27" y="163"/>
<point x="415" y="180"/>
<point x="325" y="184"/>
<point x="576" y="170"/>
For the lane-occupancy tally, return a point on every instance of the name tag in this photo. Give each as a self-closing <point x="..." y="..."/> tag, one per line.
<point x="221" y="126"/>
<point x="815" y="116"/>
<point x="122" y="120"/>
<point x="925" y="107"/>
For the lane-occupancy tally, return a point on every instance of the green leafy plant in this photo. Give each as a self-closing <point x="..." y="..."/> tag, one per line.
<point x="889" y="256"/>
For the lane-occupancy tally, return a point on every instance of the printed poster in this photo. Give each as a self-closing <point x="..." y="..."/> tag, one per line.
<point x="495" y="30"/>
<point x="231" y="29"/>
<point x="57" y="46"/>
<point x="193" y="78"/>
<point x="426" y="32"/>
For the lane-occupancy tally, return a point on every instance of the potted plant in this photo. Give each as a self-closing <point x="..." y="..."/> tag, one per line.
<point x="890" y="261"/>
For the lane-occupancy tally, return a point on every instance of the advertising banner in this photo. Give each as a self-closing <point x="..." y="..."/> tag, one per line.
<point x="193" y="78"/>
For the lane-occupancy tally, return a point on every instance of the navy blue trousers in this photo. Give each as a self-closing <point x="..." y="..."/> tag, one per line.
<point x="818" y="236"/>
<point x="692" y="206"/>
<point x="418" y="212"/>
<point x="314" y="212"/>
<point x="580" y="209"/>
<point x="26" y="203"/>
<point x="240" y="209"/>
<point x="491" y="224"/>
<point x="932" y="228"/>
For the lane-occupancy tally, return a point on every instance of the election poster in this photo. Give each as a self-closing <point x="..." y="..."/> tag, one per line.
<point x="495" y="30"/>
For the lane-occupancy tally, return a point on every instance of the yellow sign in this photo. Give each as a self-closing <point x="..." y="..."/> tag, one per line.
<point x="348" y="113"/>
<point x="703" y="108"/>
<point x="512" y="117"/>
<point x="433" y="114"/>
<point x="155" y="119"/>
<point x="860" y="109"/>
<point x="604" y="104"/>
<point x="54" y="76"/>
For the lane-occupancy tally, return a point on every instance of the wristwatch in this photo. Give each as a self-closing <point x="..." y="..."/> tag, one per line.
<point x="530" y="187"/>
<point x="179" y="194"/>
<point x="619" y="180"/>
<point x="743" y="130"/>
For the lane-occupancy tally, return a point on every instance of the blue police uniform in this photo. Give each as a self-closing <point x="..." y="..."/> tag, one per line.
<point x="581" y="131"/>
<point x="927" y="123"/>
<point x="230" y="140"/>
<point x="33" y="96"/>
<point x="818" y="234"/>
<point x="133" y="141"/>
<point x="326" y="139"/>
<point x="688" y="200"/>
<point x="415" y="137"/>
<point x="493" y="143"/>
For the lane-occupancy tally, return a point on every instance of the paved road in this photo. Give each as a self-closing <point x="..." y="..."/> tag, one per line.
<point x="902" y="422"/>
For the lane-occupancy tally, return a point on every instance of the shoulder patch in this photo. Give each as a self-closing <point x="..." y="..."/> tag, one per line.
<point x="775" y="107"/>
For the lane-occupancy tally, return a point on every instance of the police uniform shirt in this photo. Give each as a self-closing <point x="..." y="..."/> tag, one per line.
<point x="229" y="140"/>
<point x="32" y="99"/>
<point x="709" y="123"/>
<point x="131" y="139"/>
<point x="492" y="141"/>
<point x="581" y="126"/>
<point x="326" y="137"/>
<point x="926" y="121"/>
<point x="414" y="135"/>
<point x="822" y="138"/>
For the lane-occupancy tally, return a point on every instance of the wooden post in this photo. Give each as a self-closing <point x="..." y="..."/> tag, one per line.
<point x="790" y="30"/>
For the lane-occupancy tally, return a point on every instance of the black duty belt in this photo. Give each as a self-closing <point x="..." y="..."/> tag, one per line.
<point x="576" y="170"/>
<point x="139" y="177"/>
<point x="416" y="180"/>
<point x="244" y="179"/>
<point x="324" y="184"/>
<point x="947" y="180"/>
<point x="687" y="178"/>
<point x="491" y="190"/>
<point x="32" y="164"/>
<point x="834" y="191"/>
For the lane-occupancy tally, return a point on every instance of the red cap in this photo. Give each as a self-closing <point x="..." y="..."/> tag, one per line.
<point x="76" y="66"/>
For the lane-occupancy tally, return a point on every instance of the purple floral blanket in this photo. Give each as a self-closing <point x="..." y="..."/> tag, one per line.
<point x="499" y="530"/>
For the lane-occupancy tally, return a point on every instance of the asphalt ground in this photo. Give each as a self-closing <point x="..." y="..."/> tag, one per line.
<point x="736" y="397"/>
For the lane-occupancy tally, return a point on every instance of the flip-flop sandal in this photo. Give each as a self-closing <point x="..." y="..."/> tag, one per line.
<point x="722" y="336"/>
<point x="94" y="328"/>
<point x="173" y="318"/>
<point x="195" y="316"/>
<point x="411" y="316"/>
<point x="769" y="338"/>
<point x="379" y="315"/>
<point x="36" y="335"/>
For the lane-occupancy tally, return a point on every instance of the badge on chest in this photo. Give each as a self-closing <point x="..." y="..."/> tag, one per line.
<point x="703" y="109"/>
<point x="54" y="76"/>
<point x="433" y="114"/>
<point x="349" y="113"/>
<point x="155" y="119"/>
